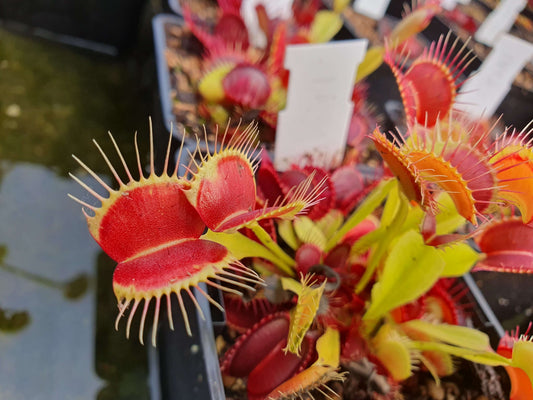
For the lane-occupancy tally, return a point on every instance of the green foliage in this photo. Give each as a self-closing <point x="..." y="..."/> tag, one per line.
<point x="409" y="271"/>
<point x="451" y="334"/>
<point x="487" y="357"/>
<point x="308" y="232"/>
<point x="523" y="356"/>
<point x="372" y="201"/>
<point x="325" y="26"/>
<point x="458" y="259"/>
<point x="243" y="247"/>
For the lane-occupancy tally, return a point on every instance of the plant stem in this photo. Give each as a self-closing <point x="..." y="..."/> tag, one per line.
<point x="390" y="231"/>
<point x="241" y="247"/>
<point x="267" y="241"/>
<point x="372" y="202"/>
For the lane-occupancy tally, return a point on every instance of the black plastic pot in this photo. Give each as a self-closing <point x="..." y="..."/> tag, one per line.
<point x="509" y="296"/>
<point x="483" y="316"/>
<point x="163" y="77"/>
<point x="164" y="117"/>
<point x="105" y="26"/>
<point x="188" y="365"/>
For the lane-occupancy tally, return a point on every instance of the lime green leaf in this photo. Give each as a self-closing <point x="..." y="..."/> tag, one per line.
<point x="391" y="206"/>
<point x="410" y="270"/>
<point x="308" y="232"/>
<point x="372" y="201"/>
<point x="210" y="87"/>
<point x="291" y="284"/>
<point x="487" y="358"/>
<point x="303" y="314"/>
<point x="284" y="261"/>
<point x="325" y="25"/>
<point x="452" y="334"/>
<point x="339" y="5"/>
<point x="391" y="230"/>
<point x="523" y="356"/>
<point x="413" y="219"/>
<point x="239" y="245"/>
<point x="448" y="219"/>
<point x="331" y="222"/>
<point x="480" y="357"/>
<point x="328" y="347"/>
<point x="218" y="113"/>
<point x="373" y="59"/>
<point x="286" y="232"/>
<point x="459" y="259"/>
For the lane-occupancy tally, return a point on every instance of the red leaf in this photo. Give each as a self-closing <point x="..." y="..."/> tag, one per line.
<point x="253" y="346"/>
<point x="307" y="256"/>
<point x="231" y="28"/>
<point x="247" y="86"/>
<point x="145" y="217"/>
<point x="508" y="247"/>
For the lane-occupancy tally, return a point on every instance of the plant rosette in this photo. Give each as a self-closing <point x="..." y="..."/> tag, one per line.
<point x="333" y="276"/>
<point x="362" y="278"/>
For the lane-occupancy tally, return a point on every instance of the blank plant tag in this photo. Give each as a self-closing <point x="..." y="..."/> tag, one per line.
<point x="448" y="4"/>
<point x="484" y="91"/>
<point x="314" y="125"/>
<point x="374" y="9"/>
<point x="451" y="4"/>
<point x="499" y="21"/>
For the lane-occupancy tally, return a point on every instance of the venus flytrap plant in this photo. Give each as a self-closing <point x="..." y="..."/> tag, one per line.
<point x="370" y="270"/>
<point x="363" y="275"/>
<point x="442" y="183"/>
<point x="303" y="313"/>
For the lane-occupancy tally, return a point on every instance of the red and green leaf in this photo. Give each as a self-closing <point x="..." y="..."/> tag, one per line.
<point x="150" y="228"/>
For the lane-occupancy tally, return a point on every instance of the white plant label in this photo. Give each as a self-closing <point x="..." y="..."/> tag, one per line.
<point x="499" y="21"/>
<point x="484" y="91"/>
<point x="374" y="9"/>
<point x="274" y="8"/>
<point x="314" y="125"/>
<point x="448" y="4"/>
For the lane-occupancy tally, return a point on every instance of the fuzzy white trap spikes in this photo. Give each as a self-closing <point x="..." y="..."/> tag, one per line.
<point x="236" y="275"/>
<point x="117" y="223"/>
